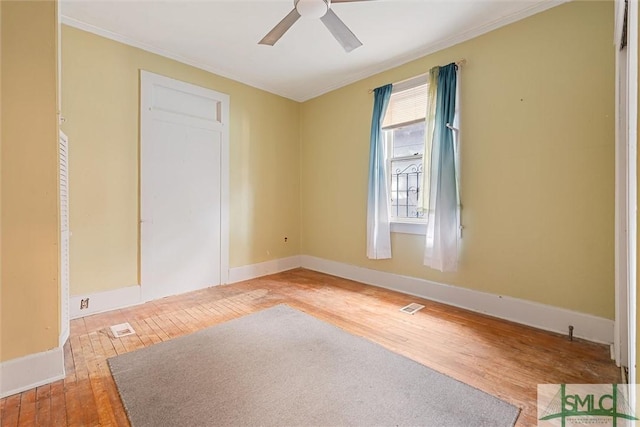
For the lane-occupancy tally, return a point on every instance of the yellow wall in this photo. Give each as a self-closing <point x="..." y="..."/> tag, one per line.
<point x="29" y="169"/>
<point x="537" y="156"/>
<point x="100" y="103"/>
<point x="537" y="163"/>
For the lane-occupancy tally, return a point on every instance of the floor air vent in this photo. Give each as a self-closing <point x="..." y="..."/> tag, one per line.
<point x="412" y="308"/>
<point x="122" y="330"/>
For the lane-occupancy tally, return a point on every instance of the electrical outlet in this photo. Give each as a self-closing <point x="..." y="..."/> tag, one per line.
<point x="84" y="303"/>
<point x="285" y="239"/>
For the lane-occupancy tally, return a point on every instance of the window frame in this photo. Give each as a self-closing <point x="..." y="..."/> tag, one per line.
<point x="403" y="225"/>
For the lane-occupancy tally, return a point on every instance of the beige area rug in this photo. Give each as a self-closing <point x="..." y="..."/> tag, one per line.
<point x="281" y="367"/>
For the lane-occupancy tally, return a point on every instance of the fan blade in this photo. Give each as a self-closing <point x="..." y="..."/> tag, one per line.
<point x="283" y="26"/>
<point x="340" y="31"/>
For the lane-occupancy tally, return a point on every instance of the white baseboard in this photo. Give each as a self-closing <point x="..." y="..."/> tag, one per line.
<point x="534" y="314"/>
<point x="247" y="272"/>
<point x="115" y="299"/>
<point x="105" y="301"/>
<point x="31" y="371"/>
<point x="529" y="313"/>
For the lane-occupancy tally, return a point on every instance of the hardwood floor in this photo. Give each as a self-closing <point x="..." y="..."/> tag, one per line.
<point x="502" y="358"/>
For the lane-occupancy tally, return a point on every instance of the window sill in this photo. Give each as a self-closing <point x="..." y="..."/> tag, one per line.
<point x="409" y="228"/>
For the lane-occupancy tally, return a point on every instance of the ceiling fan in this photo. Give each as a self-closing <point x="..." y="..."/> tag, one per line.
<point x="314" y="9"/>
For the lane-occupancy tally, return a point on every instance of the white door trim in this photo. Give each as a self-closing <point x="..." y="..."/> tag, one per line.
<point x="621" y="331"/>
<point x="632" y="123"/>
<point x="625" y="199"/>
<point x="147" y="80"/>
<point x="621" y="215"/>
<point x="626" y="104"/>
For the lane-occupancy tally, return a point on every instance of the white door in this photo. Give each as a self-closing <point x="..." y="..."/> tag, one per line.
<point x="183" y="136"/>
<point x="63" y="163"/>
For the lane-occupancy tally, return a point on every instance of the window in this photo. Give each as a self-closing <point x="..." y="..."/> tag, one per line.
<point x="417" y="113"/>
<point x="404" y="136"/>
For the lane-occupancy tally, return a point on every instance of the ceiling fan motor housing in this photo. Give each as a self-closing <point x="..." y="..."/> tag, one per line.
<point x="312" y="9"/>
<point x="315" y="9"/>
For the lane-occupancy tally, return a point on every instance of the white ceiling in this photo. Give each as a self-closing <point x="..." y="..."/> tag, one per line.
<point x="221" y="36"/>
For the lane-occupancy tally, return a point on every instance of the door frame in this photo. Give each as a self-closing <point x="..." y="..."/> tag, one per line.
<point x="626" y="179"/>
<point x="632" y="125"/>
<point x="621" y="332"/>
<point x="147" y="80"/>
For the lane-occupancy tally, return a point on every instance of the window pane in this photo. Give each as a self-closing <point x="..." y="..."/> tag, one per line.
<point x="406" y="178"/>
<point x="407" y="140"/>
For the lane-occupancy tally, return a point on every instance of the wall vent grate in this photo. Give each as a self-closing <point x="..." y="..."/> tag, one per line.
<point x="412" y="308"/>
<point x="122" y="330"/>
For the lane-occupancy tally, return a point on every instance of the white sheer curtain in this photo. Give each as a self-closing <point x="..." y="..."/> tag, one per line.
<point x="442" y="201"/>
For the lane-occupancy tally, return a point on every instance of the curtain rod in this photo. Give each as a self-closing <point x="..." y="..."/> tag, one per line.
<point x="459" y="63"/>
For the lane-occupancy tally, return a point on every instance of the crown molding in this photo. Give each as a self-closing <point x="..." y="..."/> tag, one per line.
<point x="90" y="28"/>
<point x="431" y="48"/>
<point x="441" y="45"/>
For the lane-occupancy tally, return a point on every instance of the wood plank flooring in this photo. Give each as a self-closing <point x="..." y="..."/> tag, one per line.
<point x="502" y="358"/>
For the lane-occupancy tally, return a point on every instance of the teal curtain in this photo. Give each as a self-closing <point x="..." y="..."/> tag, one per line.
<point x="378" y="228"/>
<point x="441" y="251"/>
